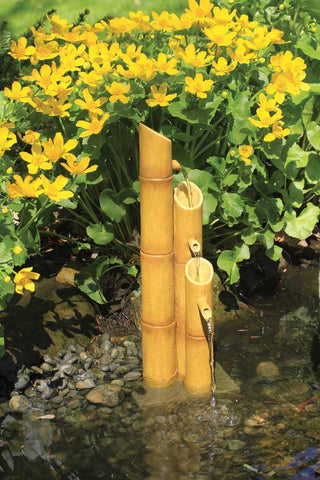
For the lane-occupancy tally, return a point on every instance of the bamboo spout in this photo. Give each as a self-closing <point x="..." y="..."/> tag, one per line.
<point x="195" y="247"/>
<point x="205" y="310"/>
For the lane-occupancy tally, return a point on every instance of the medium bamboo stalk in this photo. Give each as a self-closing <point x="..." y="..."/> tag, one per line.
<point x="157" y="259"/>
<point x="188" y="202"/>
<point x="199" y="301"/>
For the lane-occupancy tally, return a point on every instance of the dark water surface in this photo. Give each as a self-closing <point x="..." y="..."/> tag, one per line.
<point x="270" y="430"/>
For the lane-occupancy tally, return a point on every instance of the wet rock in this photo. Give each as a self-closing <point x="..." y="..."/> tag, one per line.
<point x="30" y="392"/>
<point x="106" y="346"/>
<point x="106" y="359"/>
<point x="235" y="445"/>
<point x="22" y="381"/>
<point x="102" y="394"/>
<point x="19" y="403"/>
<point x="267" y="370"/>
<point x="46" y="367"/>
<point x="66" y="275"/>
<point x="86" y="383"/>
<point x="131" y="376"/>
<point x="68" y="369"/>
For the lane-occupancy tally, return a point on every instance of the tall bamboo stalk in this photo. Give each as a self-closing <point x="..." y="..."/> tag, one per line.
<point x="157" y="259"/>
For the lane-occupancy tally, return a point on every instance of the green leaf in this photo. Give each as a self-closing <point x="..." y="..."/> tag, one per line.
<point x="228" y="260"/>
<point x="232" y="205"/>
<point x="313" y="134"/>
<point x="230" y="180"/>
<point x="297" y="156"/>
<point x="304" y="44"/>
<point x="249" y="236"/>
<point x="209" y="206"/>
<point x="266" y="238"/>
<point x="301" y="226"/>
<point x="111" y="206"/>
<point x="100" y="234"/>
<point x="313" y="169"/>
<point x="239" y="107"/>
<point x="274" y="253"/>
<point x="312" y="7"/>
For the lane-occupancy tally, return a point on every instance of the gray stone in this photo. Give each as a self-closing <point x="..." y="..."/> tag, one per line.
<point x="267" y="370"/>
<point x="131" y="376"/>
<point x="46" y="367"/>
<point x="106" y="359"/>
<point x="102" y="394"/>
<point x="86" y="383"/>
<point x="68" y="369"/>
<point x="19" y="403"/>
<point x="106" y="346"/>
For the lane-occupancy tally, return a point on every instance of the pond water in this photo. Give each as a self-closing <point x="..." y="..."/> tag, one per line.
<point x="270" y="430"/>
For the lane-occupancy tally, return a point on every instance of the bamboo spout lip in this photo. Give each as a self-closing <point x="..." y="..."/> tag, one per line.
<point x="155" y="154"/>
<point x="181" y="195"/>
<point x="205" y="271"/>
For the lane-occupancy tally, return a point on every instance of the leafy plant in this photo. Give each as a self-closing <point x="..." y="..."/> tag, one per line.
<point x="237" y="92"/>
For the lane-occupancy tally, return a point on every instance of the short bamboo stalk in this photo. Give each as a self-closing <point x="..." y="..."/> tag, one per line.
<point x="157" y="259"/>
<point x="199" y="300"/>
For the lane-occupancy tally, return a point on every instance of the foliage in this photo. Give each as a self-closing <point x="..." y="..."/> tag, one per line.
<point x="228" y="89"/>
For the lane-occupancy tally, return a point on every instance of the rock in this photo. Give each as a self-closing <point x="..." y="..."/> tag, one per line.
<point x="131" y="376"/>
<point x="106" y="346"/>
<point x="235" y="445"/>
<point x="46" y="367"/>
<point x="102" y="394"/>
<point x="86" y="383"/>
<point x="267" y="370"/>
<point x="66" y="275"/>
<point x="106" y="359"/>
<point x="19" y="403"/>
<point x="68" y="369"/>
<point x="22" y="381"/>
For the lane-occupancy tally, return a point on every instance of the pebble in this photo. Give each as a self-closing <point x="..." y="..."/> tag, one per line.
<point x="86" y="383"/>
<point x="102" y="394"/>
<point x="131" y="376"/>
<point x="19" y="403"/>
<point x="267" y="370"/>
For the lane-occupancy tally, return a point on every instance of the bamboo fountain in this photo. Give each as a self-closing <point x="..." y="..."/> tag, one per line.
<point x="177" y="283"/>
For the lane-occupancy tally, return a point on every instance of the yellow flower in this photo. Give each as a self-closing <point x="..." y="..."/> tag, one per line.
<point x="54" y="190"/>
<point x="264" y="110"/>
<point x="164" y="21"/>
<point x="89" y="104"/>
<point x="193" y="57"/>
<point x="241" y="54"/>
<point x="7" y="279"/>
<point x="44" y="51"/>
<point x="24" y="280"/>
<point x="30" y="137"/>
<point x="166" y="66"/>
<point x="72" y="58"/>
<point x="56" y="148"/>
<point x="277" y="132"/>
<point x="245" y="151"/>
<point x="78" y="167"/>
<point x="222" y="16"/>
<point x="94" y="126"/>
<point x="23" y="187"/>
<point x="93" y="79"/>
<point x="117" y="91"/>
<point x="219" y="35"/>
<point x="17" y="249"/>
<point x="260" y="39"/>
<point x="244" y="25"/>
<point x="36" y="159"/>
<point x="18" y="93"/>
<point x="58" y="25"/>
<point x="183" y="23"/>
<point x="52" y="107"/>
<point x="200" y="10"/>
<point x="141" y="20"/>
<point x="4" y="210"/>
<point x="7" y="139"/>
<point x="159" y="96"/>
<point x="222" y="68"/>
<point x="9" y="170"/>
<point x="121" y="25"/>
<point x="198" y="86"/>
<point x="19" y="49"/>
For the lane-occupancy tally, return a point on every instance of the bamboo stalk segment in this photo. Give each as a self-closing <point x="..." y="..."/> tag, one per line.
<point x="199" y="299"/>
<point x="157" y="274"/>
<point x="199" y="285"/>
<point x="155" y="154"/>
<point x="156" y="213"/>
<point x="188" y="201"/>
<point x="197" y="378"/>
<point x="181" y="352"/>
<point x="159" y="355"/>
<point x="157" y="259"/>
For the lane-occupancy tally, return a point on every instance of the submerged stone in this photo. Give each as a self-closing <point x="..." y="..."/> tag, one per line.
<point x="19" y="403"/>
